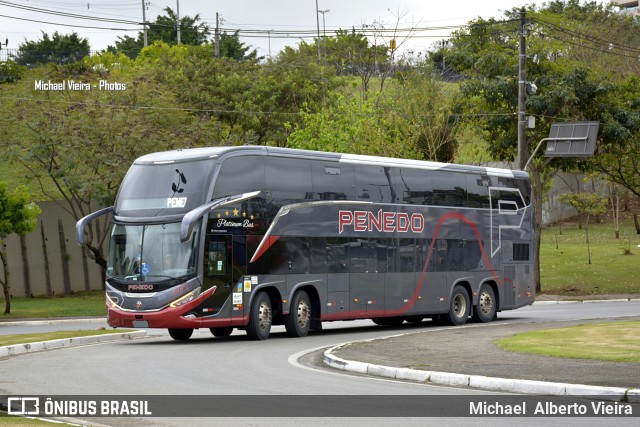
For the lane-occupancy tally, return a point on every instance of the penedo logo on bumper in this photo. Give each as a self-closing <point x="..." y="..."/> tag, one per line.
<point x="385" y="222"/>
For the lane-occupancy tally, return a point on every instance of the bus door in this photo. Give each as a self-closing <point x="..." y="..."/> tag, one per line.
<point x="218" y="272"/>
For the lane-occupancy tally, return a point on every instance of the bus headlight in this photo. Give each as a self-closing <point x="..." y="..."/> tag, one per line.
<point x="111" y="303"/>
<point x="188" y="297"/>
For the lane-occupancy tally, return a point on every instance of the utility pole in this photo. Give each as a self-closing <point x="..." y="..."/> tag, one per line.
<point x="522" y="93"/>
<point x="318" y="25"/>
<point x="178" y="19"/>
<point x="144" y="23"/>
<point x="324" y="33"/>
<point x="217" y="36"/>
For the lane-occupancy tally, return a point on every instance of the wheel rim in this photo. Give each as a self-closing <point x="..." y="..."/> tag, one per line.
<point x="264" y="316"/>
<point x="459" y="305"/>
<point x="486" y="303"/>
<point x="303" y="314"/>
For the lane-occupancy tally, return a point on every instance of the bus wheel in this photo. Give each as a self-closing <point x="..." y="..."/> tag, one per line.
<point x="221" y="332"/>
<point x="388" y="321"/>
<point x="298" y="321"/>
<point x="459" y="307"/>
<point x="486" y="309"/>
<point x="260" y="317"/>
<point x="180" y="334"/>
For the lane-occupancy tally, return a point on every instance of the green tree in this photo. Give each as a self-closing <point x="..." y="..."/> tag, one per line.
<point x="568" y="89"/>
<point x="193" y="32"/>
<point x="59" y="49"/>
<point x="251" y="101"/>
<point x="587" y="204"/>
<point x="350" y="126"/>
<point x="232" y="47"/>
<point x="18" y="214"/>
<point x="77" y="145"/>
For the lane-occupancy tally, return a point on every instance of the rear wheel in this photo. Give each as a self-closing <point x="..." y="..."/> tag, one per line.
<point x="459" y="307"/>
<point x="486" y="309"/>
<point x="180" y="334"/>
<point x="221" y="332"/>
<point x="260" y="317"/>
<point x="298" y="321"/>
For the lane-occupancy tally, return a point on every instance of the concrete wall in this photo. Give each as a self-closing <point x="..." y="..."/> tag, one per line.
<point x="48" y="261"/>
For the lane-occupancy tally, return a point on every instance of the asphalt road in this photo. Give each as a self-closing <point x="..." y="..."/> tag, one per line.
<point x="236" y="366"/>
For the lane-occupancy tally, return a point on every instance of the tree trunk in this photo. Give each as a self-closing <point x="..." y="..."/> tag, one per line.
<point x="586" y="230"/>
<point x="6" y="286"/>
<point x="635" y="219"/>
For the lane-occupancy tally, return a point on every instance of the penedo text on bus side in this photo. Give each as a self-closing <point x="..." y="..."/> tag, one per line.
<point x="249" y="237"/>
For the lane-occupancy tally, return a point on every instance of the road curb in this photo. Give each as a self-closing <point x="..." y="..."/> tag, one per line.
<point x="16" y="349"/>
<point x="586" y="301"/>
<point x="506" y="385"/>
<point x="38" y="322"/>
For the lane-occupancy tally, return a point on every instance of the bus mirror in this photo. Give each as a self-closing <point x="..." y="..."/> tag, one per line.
<point x="80" y="225"/>
<point x="190" y="219"/>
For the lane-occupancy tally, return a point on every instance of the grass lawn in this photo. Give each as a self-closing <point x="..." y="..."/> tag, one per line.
<point x="48" y="336"/>
<point x="564" y="262"/>
<point x="9" y="420"/>
<point x="79" y="304"/>
<point x="612" y="341"/>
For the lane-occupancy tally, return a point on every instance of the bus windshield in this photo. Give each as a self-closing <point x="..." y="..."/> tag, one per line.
<point x="150" y="253"/>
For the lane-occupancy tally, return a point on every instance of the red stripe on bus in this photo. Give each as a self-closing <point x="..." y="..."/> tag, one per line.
<point x="264" y="245"/>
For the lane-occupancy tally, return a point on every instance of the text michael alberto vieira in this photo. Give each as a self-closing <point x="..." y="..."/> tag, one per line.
<point x="550" y="408"/>
<point x="63" y="85"/>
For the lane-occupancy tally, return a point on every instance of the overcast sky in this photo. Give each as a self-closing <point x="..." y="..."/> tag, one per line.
<point x="293" y="16"/>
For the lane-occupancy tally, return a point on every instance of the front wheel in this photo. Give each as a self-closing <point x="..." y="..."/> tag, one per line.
<point x="486" y="308"/>
<point x="260" y="317"/>
<point x="459" y="307"/>
<point x="298" y="321"/>
<point x="180" y="334"/>
<point x="221" y="332"/>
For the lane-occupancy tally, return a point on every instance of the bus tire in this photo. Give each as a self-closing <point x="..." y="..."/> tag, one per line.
<point x="260" y="317"/>
<point x="298" y="321"/>
<point x="486" y="309"/>
<point x="180" y="334"/>
<point x="221" y="332"/>
<point x="459" y="307"/>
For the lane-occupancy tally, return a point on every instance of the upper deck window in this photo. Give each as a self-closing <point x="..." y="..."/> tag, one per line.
<point x="166" y="189"/>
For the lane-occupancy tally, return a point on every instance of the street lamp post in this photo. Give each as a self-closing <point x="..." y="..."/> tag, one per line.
<point x="324" y="33"/>
<point x="318" y="26"/>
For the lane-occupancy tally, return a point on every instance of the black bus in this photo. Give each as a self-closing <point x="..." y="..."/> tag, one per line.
<point x="249" y="237"/>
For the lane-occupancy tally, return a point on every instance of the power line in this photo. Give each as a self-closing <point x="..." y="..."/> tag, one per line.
<point x="596" y="40"/>
<point x="68" y="25"/>
<point x="67" y="15"/>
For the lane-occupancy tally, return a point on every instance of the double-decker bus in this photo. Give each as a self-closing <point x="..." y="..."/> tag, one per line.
<point x="249" y="237"/>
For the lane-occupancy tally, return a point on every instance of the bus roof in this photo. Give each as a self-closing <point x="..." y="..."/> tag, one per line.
<point x="194" y="154"/>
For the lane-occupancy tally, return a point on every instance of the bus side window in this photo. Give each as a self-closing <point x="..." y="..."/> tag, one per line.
<point x="332" y="181"/>
<point x="288" y="181"/>
<point x="374" y="183"/>
<point x="337" y="255"/>
<point x="450" y="189"/>
<point x="478" y="191"/>
<point x="239" y="175"/>
<point x="413" y="186"/>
